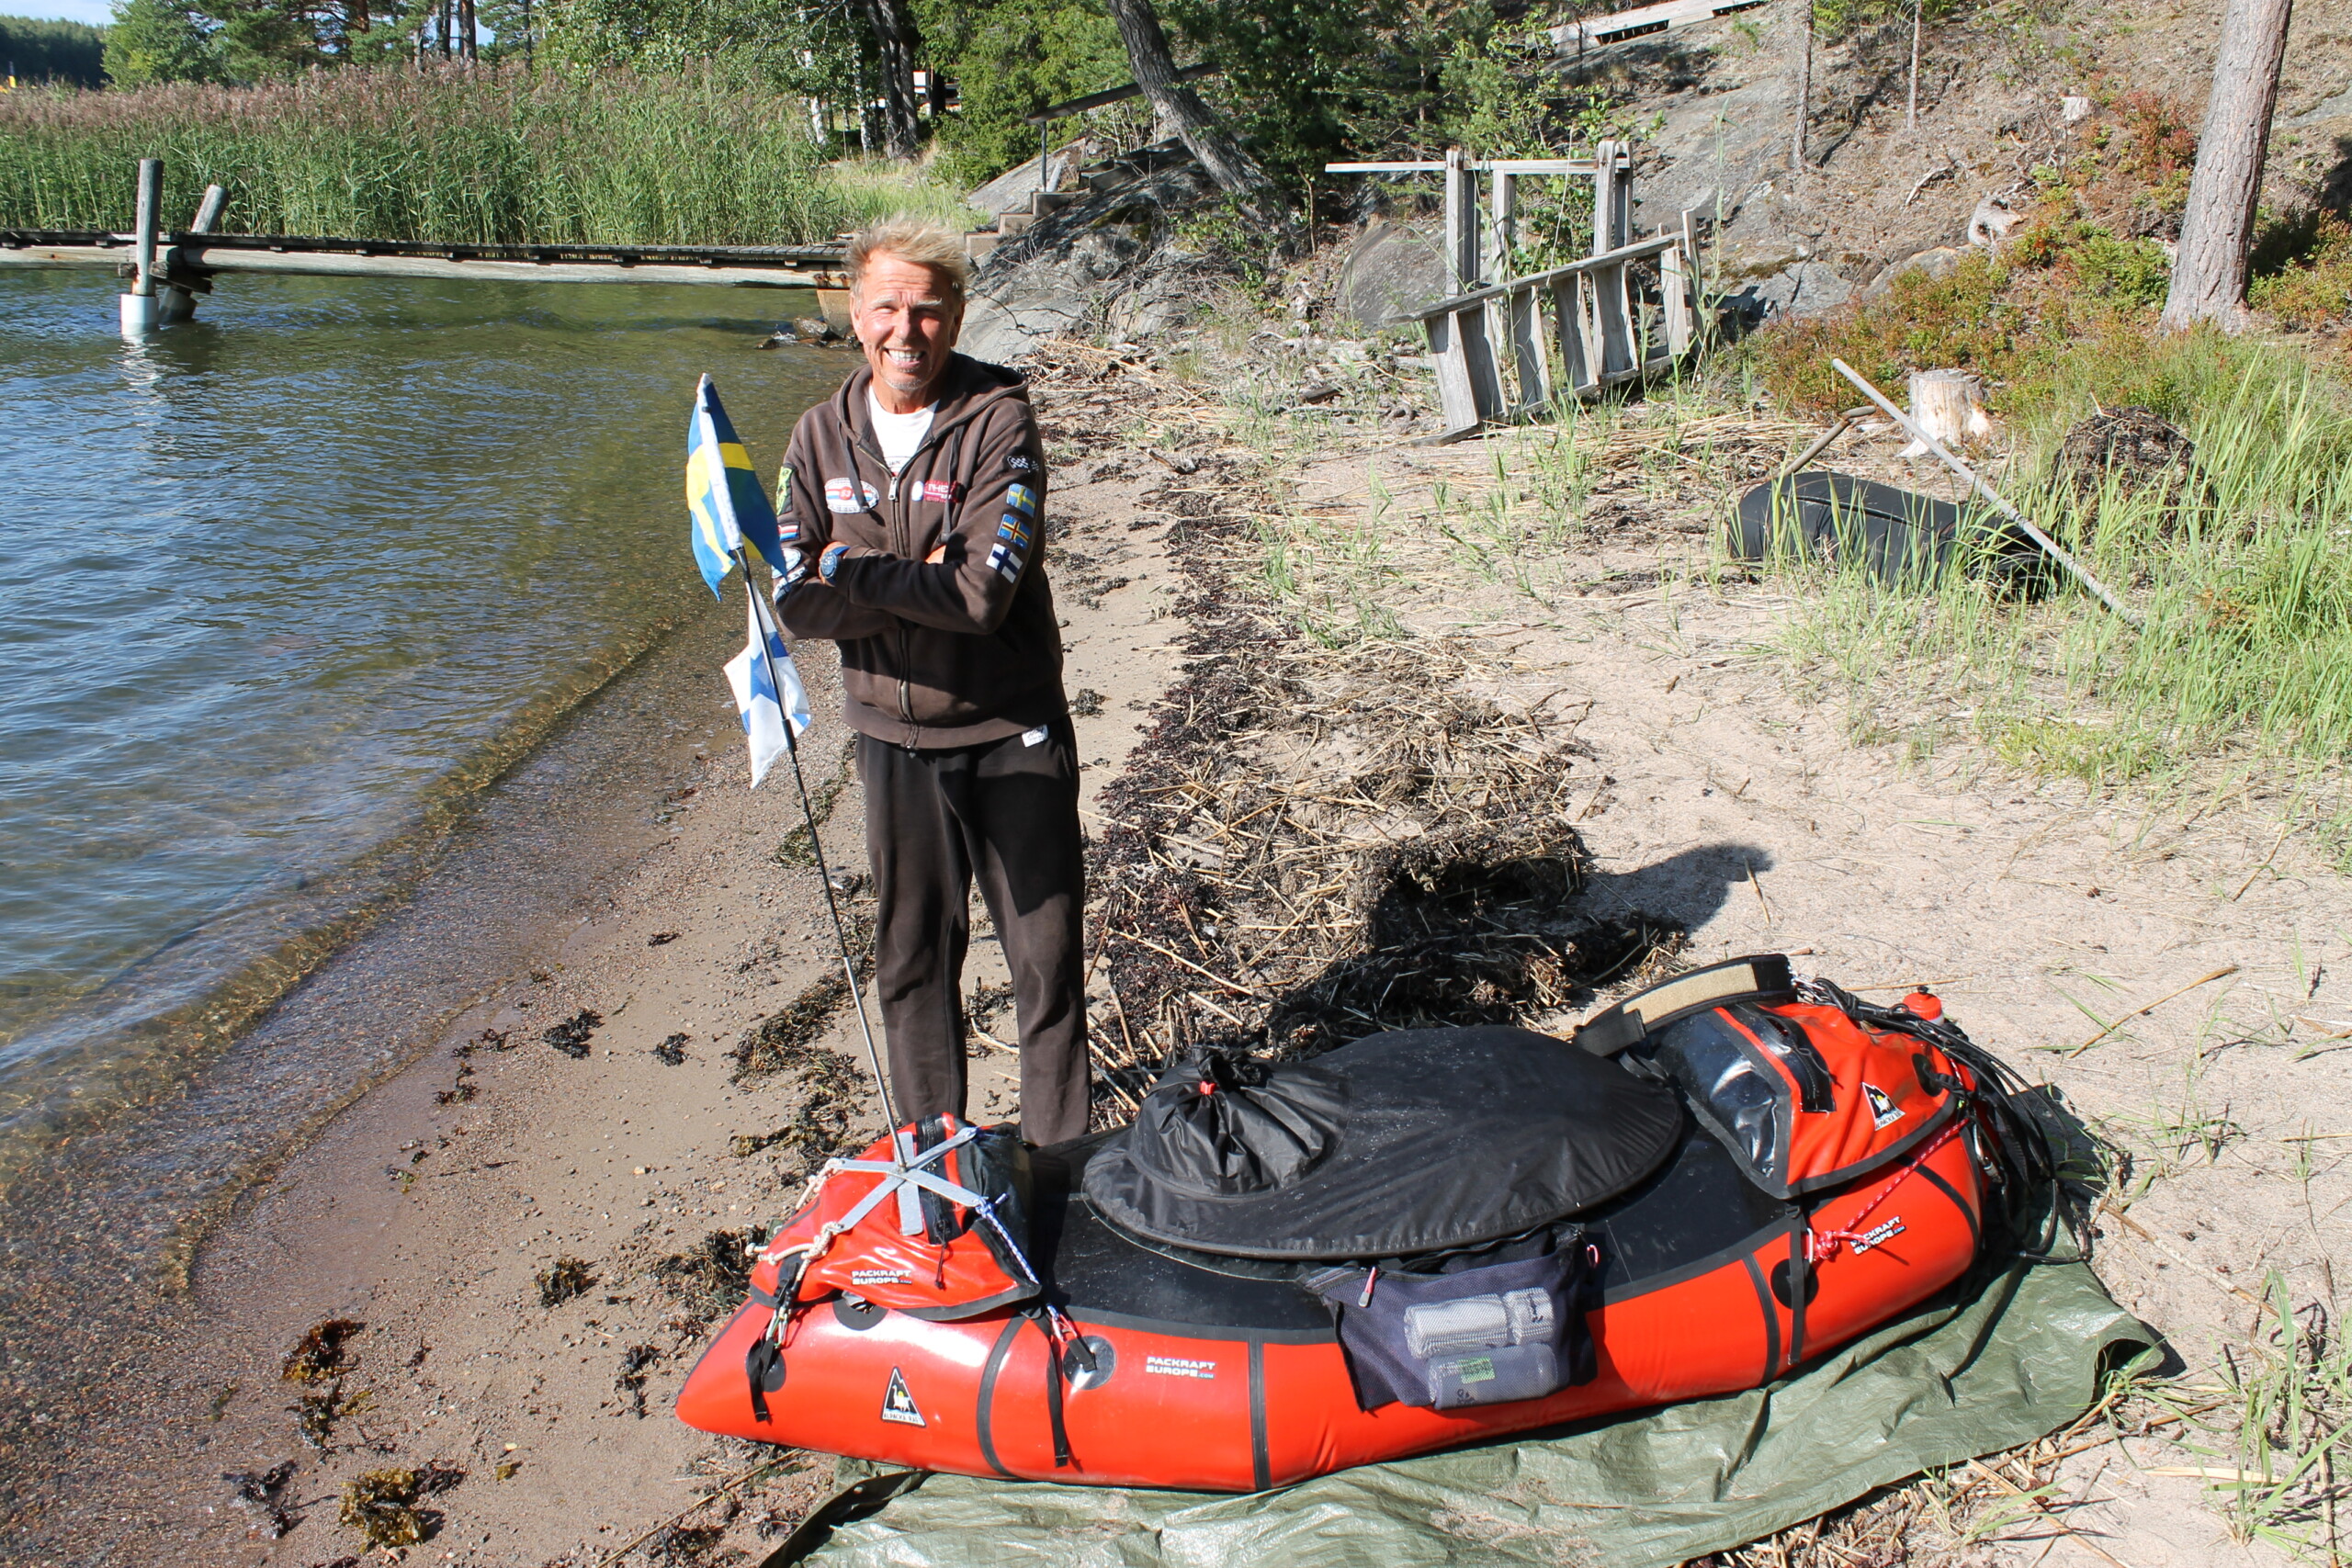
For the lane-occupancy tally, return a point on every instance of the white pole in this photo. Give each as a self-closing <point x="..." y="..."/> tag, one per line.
<point x="2050" y="546"/>
<point x="815" y="846"/>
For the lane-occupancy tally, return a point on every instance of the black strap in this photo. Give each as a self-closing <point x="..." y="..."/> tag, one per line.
<point x="1054" y="1385"/>
<point x="761" y="1360"/>
<point x="1054" y="1403"/>
<point x="1761" y="977"/>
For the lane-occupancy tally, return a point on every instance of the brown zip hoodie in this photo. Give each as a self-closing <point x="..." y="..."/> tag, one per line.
<point x="956" y="652"/>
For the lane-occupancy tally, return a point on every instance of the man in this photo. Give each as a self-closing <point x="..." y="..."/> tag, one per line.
<point x="915" y="499"/>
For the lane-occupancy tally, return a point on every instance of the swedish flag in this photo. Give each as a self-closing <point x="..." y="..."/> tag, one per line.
<point x="723" y="496"/>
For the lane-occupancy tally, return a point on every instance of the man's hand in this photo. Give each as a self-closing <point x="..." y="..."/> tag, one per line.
<point x="829" y="562"/>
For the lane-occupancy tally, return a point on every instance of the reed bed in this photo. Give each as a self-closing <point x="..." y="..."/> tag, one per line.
<point x="453" y="155"/>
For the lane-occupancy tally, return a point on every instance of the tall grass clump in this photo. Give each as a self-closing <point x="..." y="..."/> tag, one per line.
<point x="453" y="155"/>
<point x="2244" y="584"/>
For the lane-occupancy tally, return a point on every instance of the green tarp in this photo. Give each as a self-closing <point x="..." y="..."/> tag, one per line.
<point x="2010" y="1357"/>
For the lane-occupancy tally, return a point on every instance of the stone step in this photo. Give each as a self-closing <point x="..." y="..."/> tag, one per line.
<point x="1044" y="203"/>
<point x="1014" y="222"/>
<point x="980" y="242"/>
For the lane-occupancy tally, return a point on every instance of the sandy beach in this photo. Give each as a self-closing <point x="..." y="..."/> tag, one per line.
<point x="535" y="1240"/>
<point x="651" y="898"/>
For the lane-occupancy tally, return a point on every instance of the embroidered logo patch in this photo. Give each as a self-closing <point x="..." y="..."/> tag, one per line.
<point x="941" y="490"/>
<point x="1018" y="463"/>
<point x="1015" y="530"/>
<point x="842" y="495"/>
<point x="898" y="1405"/>
<point x="1005" y="563"/>
<point x="1020" y="497"/>
<point x="1882" y="1109"/>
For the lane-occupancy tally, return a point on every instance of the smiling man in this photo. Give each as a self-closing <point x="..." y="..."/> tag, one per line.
<point x="914" y="502"/>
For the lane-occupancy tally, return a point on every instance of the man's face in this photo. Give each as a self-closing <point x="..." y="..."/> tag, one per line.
<point x="907" y="328"/>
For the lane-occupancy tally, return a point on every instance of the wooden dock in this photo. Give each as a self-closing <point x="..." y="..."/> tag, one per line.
<point x="190" y="257"/>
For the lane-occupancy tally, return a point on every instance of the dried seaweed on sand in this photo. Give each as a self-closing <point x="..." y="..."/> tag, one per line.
<point x="1312" y="844"/>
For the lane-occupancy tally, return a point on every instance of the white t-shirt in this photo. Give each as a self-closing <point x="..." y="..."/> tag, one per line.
<point x="899" y="434"/>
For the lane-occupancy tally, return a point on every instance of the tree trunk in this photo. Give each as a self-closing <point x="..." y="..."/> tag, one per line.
<point x="1805" y="88"/>
<point x="469" y="38"/>
<point x="1911" y="104"/>
<point x="894" y="38"/>
<point x="1176" y="106"/>
<point x="2217" y="229"/>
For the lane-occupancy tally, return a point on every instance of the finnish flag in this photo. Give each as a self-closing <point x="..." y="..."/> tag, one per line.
<point x="756" y="699"/>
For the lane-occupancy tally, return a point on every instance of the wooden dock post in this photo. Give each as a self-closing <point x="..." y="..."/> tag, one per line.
<point x="140" y="307"/>
<point x="178" y="300"/>
<point x="1460" y="221"/>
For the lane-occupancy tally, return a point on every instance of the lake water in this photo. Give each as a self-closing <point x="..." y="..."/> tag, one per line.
<point x="280" y="586"/>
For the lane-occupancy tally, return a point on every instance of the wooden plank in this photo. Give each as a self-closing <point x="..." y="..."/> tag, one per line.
<point x="179" y="300"/>
<point x="147" y="223"/>
<point x="1638" y="251"/>
<point x="798" y="256"/>
<point x="1481" y="165"/>
<point x="1455" y="400"/>
<point x="1612" y="333"/>
<point x="1523" y="333"/>
<point x="1503" y="233"/>
<point x="1679" y="292"/>
<point x="1641" y="22"/>
<point x="1479" y="362"/>
<point x="1568" y="331"/>
<point x="336" y="263"/>
<point x="1461" y="222"/>
<point x="1674" y="303"/>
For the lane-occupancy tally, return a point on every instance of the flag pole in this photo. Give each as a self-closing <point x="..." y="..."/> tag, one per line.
<point x="817" y="847"/>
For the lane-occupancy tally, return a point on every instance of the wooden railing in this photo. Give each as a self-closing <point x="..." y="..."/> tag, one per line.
<point x="1568" y="331"/>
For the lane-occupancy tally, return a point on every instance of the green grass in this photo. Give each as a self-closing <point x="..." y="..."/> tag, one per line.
<point x="490" y="156"/>
<point x="2246" y="655"/>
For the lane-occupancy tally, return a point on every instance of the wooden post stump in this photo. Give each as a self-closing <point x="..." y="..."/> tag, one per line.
<point x="1949" y="406"/>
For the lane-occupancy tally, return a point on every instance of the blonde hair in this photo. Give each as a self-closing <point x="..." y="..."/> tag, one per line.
<point x="912" y="239"/>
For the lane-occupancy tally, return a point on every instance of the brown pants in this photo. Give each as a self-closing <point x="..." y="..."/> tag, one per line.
<point x="1009" y="812"/>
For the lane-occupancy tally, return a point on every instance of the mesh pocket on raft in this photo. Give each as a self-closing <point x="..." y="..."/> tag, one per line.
<point x="1486" y="1336"/>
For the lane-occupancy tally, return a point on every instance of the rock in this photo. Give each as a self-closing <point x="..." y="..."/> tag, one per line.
<point x="1713" y="152"/>
<point x="813" y="328"/>
<point x="1053" y="291"/>
<point x="1935" y="261"/>
<point x="1390" y="269"/>
<point x="1801" y="289"/>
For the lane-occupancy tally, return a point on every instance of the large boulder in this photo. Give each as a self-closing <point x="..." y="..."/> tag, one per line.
<point x="1391" y="269"/>
<point x="1053" y="291"/>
